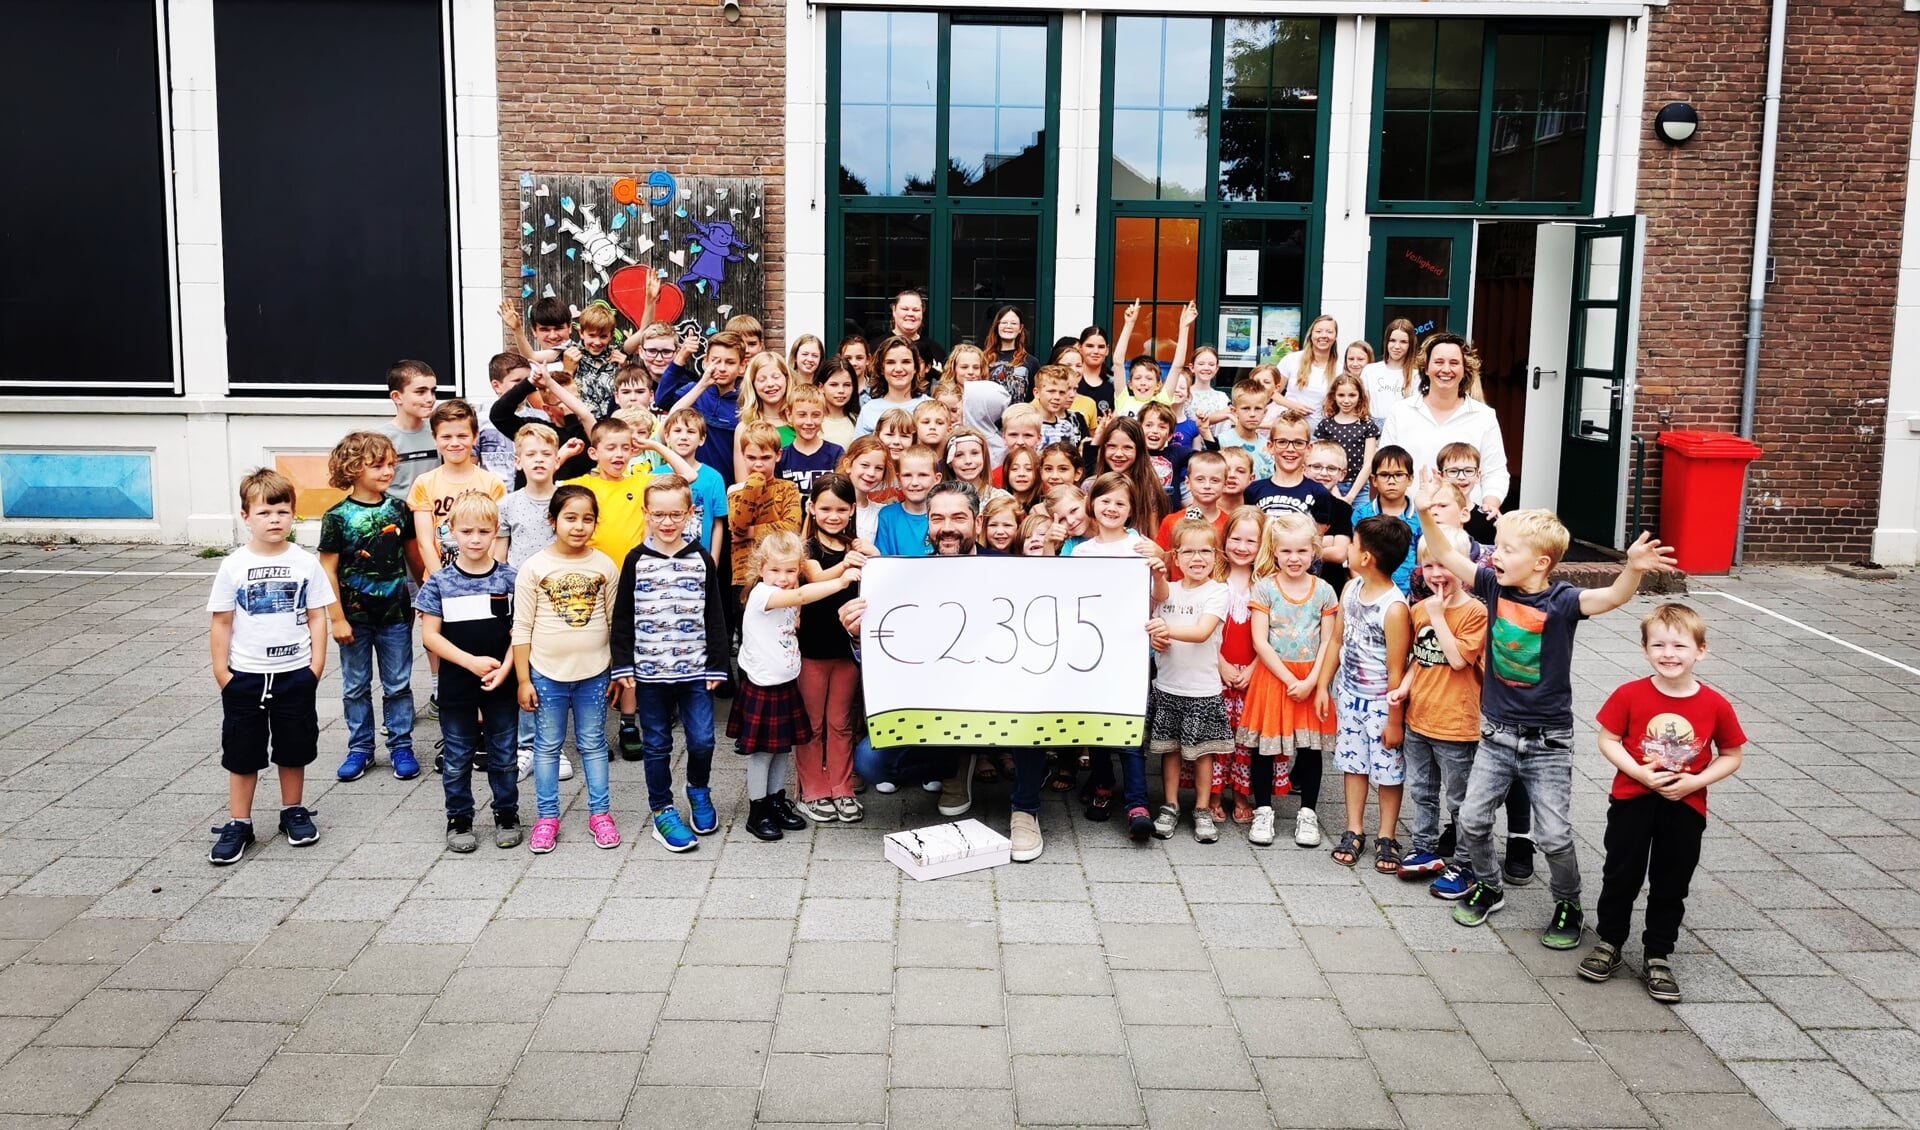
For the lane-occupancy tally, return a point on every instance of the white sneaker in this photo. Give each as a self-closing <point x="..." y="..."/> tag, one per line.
<point x="1203" y="826"/>
<point x="526" y="764"/>
<point x="566" y="768"/>
<point x="885" y="787"/>
<point x="1166" y="821"/>
<point x="932" y="786"/>
<point x="1261" y="834"/>
<point x="1306" y="829"/>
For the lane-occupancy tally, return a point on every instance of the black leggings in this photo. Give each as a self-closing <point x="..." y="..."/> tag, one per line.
<point x="1305" y="777"/>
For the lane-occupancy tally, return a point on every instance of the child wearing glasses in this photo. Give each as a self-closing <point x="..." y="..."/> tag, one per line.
<point x="1459" y="464"/>
<point x="1289" y="490"/>
<point x="1392" y="480"/>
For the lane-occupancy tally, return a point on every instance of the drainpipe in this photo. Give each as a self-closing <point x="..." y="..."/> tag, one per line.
<point x="1762" y="241"/>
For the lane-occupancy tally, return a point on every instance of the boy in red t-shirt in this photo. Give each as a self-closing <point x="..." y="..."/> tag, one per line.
<point x="1206" y="479"/>
<point x="1662" y="733"/>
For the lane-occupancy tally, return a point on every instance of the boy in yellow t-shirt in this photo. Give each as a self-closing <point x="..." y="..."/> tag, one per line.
<point x="623" y="514"/>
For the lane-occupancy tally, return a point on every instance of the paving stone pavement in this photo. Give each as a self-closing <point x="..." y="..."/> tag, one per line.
<point x="375" y="980"/>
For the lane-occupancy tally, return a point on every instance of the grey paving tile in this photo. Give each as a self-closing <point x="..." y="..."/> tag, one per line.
<point x="1666" y="1062"/>
<point x="1620" y="1005"/>
<point x="1572" y="1094"/>
<point x="1523" y="1032"/>
<point x="964" y="944"/>
<point x="1748" y="1031"/>
<point x="1493" y="978"/>
<point x="427" y="1108"/>
<point x="1429" y="1063"/>
<point x="1884" y="976"/>
<point x="141" y="1106"/>
<point x="588" y="1086"/>
<point x="211" y="1052"/>
<point x="943" y="899"/>
<point x="354" y="900"/>
<point x="452" y="921"/>
<point x="1711" y="1111"/>
<point x="1816" y="1094"/>
<point x="1065" y="969"/>
<point x="47" y="990"/>
<point x="451" y="1055"/>
<point x="313" y="945"/>
<point x="60" y="1080"/>
<point x="1154" y="947"/>
<point x="1207" y="1058"/>
<point x="833" y="1022"/>
<point x="711" y="1108"/>
<point x="478" y="994"/>
<point x="621" y="967"/>
<point x="1277" y="1028"/>
<point x="929" y="1108"/>
<point x="230" y="920"/>
<point x="707" y="1053"/>
<point x="1064" y="1025"/>
<point x="92" y="941"/>
<point x="267" y="995"/>
<point x="528" y="941"/>
<point x="127" y="1018"/>
<point x="794" y="1084"/>
<point x="840" y="967"/>
<point x="1359" y="950"/>
<point x="1040" y="922"/>
<point x="360" y="1023"/>
<point x="1460" y="1112"/>
<point x="1883" y="1059"/>
<point x="645" y="919"/>
<point x="1325" y="1093"/>
<point x="948" y="996"/>
<point x="930" y="1055"/>
<point x="1384" y="1001"/>
<point x="1139" y="903"/>
<point x="1075" y="1090"/>
<point x="397" y="968"/>
<point x="751" y="898"/>
<point x="1270" y="973"/>
<point x="833" y="919"/>
<point x="724" y="992"/>
<point x="1169" y="997"/>
<point x="742" y="942"/>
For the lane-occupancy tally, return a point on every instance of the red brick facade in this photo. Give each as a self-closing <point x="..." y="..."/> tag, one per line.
<point x="607" y="88"/>
<point x="1840" y="192"/>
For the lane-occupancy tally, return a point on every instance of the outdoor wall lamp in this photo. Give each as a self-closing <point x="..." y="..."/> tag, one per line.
<point x="1676" y="122"/>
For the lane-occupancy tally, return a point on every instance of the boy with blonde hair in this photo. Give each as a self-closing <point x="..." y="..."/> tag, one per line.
<point x="594" y="360"/>
<point x="1526" y="705"/>
<point x="1054" y="388"/>
<point x="752" y="335"/>
<point x="809" y="456"/>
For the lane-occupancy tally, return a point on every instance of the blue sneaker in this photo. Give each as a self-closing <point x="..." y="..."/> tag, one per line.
<point x="700" y="806"/>
<point x="355" y="766"/>
<point x="1417" y="864"/>
<point x="671" y="832"/>
<point x="1453" y="883"/>
<point x="405" y="767"/>
<point x="235" y="837"/>
<point x="297" y="822"/>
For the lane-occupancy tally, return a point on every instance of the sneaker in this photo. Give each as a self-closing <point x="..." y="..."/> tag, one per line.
<point x="956" y="792"/>
<point x="546" y="832"/>
<point x="355" y="766"/>
<point x="460" y="835"/>
<point x="1453" y="883"/>
<point x="850" y="809"/>
<point x="630" y="742"/>
<point x="235" y="837"/>
<point x="1261" y="833"/>
<point x="1449" y="842"/>
<point x="700" y="806"/>
<point x="433" y="706"/>
<point x="566" y="768"/>
<point x="1568" y="923"/>
<point x="1602" y="963"/>
<point x="525" y="763"/>
<point x="605" y="835"/>
<point x="1661" y="985"/>
<point x="1519" y="865"/>
<point x="1306" y="829"/>
<point x="1203" y="826"/>
<point x="506" y="832"/>
<point x="1417" y="864"/>
<point x="296" y="821"/>
<point x="1024" y="831"/>
<point x="1166" y="821"/>
<point x="404" y="766"/>
<point x="821" y="810"/>
<point x="885" y="788"/>
<point x="672" y="833"/>
<point x="1139" y="825"/>
<point x="932" y="786"/>
<point x="1479" y="904"/>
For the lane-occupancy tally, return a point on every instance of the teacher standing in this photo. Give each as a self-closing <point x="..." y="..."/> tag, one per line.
<point x="1448" y="411"/>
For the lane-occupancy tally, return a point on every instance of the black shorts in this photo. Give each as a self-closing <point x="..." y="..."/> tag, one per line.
<point x="259" y="708"/>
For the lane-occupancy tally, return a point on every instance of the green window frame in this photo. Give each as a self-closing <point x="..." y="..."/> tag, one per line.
<point x="1494" y="113"/>
<point x="907" y="234"/>
<point x="1216" y="218"/>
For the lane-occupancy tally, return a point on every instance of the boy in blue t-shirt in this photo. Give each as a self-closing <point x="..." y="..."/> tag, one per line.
<point x="466" y="618"/>
<point x="1392" y="480"/>
<point x="1526" y="704"/>
<point x="901" y="530"/>
<point x="808" y="456"/>
<point x="685" y="432"/>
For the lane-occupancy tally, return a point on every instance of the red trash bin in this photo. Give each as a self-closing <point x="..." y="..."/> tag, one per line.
<point x="1700" y="485"/>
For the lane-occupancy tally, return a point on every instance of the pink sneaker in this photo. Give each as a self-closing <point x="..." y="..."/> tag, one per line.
<point x="604" y="833"/>
<point x="545" y="833"/>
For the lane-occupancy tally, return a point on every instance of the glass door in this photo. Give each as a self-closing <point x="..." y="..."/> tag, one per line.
<point x="1420" y="270"/>
<point x="1605" y="305"/>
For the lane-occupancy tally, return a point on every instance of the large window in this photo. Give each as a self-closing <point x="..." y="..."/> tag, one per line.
<point x="334" y="204"/>
<point x="87" y="301"/>
<point x="940" y="141"/>
<point x="1486" y="116"/>
<point x="1211" y="179"/>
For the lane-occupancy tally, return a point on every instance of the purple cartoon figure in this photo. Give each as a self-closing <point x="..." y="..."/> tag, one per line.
<point x="717" y="246"/>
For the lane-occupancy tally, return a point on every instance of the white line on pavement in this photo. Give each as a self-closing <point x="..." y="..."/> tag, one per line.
<point x="1815" y="631"/>
<point x="108" y="573"/>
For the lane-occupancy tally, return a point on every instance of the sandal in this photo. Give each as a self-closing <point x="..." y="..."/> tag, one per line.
<point x="1100" y="806"/>
<point x="1386" y="855"/>
<point x="1661" y="985"/>
<point x="1061" y="780"/>
<point x="986" y="771"/>
<point x="1242" y="812"/>
<point x="1351" y="845"/>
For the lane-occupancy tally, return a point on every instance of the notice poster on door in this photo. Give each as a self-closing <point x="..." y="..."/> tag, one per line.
<point x="1279" y="333"/>
<point x="1239" y="327"/>
<point x="1243" y="272"/>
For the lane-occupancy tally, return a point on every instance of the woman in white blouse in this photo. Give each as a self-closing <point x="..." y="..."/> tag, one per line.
<point x="1445" y="412"/>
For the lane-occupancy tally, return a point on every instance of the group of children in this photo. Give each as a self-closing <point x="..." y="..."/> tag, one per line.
<point x="1314" y="592"/>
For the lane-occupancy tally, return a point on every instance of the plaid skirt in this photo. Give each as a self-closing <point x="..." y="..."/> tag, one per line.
<point x="769" y="719"/>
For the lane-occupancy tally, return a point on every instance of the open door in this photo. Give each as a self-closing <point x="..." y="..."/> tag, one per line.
<point x="1603" y="317"/>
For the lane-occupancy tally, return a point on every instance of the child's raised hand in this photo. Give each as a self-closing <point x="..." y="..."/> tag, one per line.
<point x="653" y="286"/>
<point x="571" y="448"/>
<point x="1133" y="312"/>
<point x="571" y="358"/>
<point x="510" y="314"/>
<point x="855" y="557"/>
<point x="1647" y="553"/>
<point x="1189" y="314"/>
<point x="1424" y="490"/>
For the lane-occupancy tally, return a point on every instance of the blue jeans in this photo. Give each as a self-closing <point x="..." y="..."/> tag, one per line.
<point x="1434" y="768"/>
<point x="524" y="731"/>
<point x="586" y="700"/>
<point x="1542" y="758"/>
<point x="391" y="646"/>
<point x="489" y="726"/>
<point x="656" y="704"/>
<point x="1133" y="774"/>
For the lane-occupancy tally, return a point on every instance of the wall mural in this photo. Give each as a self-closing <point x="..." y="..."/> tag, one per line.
<point x="586" y="239"/>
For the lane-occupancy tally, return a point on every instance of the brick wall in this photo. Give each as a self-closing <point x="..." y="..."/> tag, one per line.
<point x="1840" y="189"/>
<point x="622" y="86"/>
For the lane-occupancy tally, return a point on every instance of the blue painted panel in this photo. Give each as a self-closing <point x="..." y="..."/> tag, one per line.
<point x="76" y="484"/>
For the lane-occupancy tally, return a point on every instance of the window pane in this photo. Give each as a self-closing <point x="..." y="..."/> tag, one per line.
<point x="1457" y="65"/>
<point x="1455" y="138"/>
<point x="1426" y="319"/>
<point x="1133" y="250"/>
<point x="87" y="199"/>
<point x="1183" y="155"/>
<point x="883" y="254"/>
<point x="998" y="111"/>
<point x="887" y="72"/>
<point x="912" y="54"/>
<point x="1247" y="69"/>
<point x="863" y="44"/>
<point x="996" y="260"/>
<point x="1161" y="64"/>
<point x="1516" y="73"/>
<point x="1403" y="156"/>
<point x="1418" y="266"/>
<point x="1409" y="64"/>
<point x="1188" y="66"/>
<point x="1265" y="153"/>
<point x="863" y="151"/>
<point x="1136" y="154"/>
<point x="1155" y="260"/>
<point x="1510" y="159"/>
<point x="1290" y="153"/>
<point x="1136" y="61"/>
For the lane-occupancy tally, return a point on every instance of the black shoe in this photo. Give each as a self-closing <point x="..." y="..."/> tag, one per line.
<point x="785" y="813"/>
<point x="761" y="824"/>
<point x="1449" y="842"/>
<point x="630" y="743"/>
<point x="235" y="837"/>
<point x="297" y="823"/>
<point x="1139" y="825"/>
<point x="1519" y="865"/>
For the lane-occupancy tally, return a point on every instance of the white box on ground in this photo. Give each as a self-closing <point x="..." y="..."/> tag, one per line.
<point x="940" y="850"/>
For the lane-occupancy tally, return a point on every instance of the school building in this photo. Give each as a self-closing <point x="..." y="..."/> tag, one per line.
<point x="228" y="216"/>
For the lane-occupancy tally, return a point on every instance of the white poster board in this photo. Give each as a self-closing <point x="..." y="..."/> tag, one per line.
<point x="1005" y="651"/>
<point x="1243" y="272"/>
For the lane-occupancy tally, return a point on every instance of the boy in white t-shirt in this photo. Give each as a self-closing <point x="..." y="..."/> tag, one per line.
<point x="269" y="641"/>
